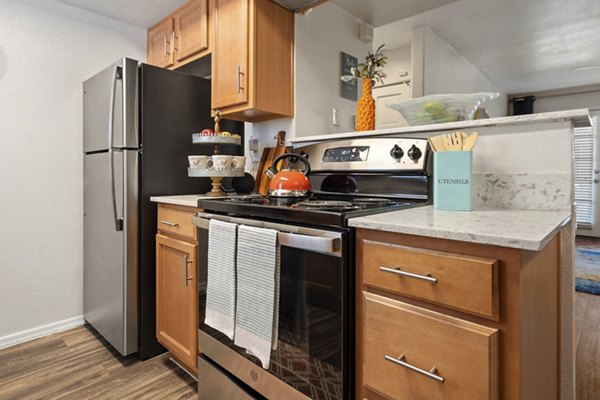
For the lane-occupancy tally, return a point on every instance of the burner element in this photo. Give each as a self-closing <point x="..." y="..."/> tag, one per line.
<point x="327" y="205"/>
<point x="371" y="202"/>
<point x="251" y="199"/>
<point x="284" y="201"/>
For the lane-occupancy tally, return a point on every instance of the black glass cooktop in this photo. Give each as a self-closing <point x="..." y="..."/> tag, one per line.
<point x="319" y="209"/>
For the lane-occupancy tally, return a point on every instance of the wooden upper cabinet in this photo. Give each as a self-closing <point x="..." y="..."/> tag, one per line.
<point x="230" y="62"/>
<point x="253" y="60"/>
<point x="191" y="29"/>
<point x="160" y="46"/>
<point x="183" y="36"/>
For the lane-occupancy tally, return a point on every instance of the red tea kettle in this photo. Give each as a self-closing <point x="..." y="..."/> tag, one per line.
<point x="289" y="182"/>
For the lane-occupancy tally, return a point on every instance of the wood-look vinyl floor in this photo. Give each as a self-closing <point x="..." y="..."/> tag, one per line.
<point x="78" y="364"/>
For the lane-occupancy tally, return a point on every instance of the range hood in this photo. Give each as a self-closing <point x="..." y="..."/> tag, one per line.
<point x="297" y="5"/>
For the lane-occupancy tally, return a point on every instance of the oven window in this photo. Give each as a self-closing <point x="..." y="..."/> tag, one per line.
<point x="309" y="353"/>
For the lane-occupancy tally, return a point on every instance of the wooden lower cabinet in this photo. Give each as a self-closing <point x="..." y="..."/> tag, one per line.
<point x="463" y="356"/>
<point x="177" y="292"/>
<point x="447" y="320"/>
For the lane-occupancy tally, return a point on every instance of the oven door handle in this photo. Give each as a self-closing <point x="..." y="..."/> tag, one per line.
<point x="317" y="240"/>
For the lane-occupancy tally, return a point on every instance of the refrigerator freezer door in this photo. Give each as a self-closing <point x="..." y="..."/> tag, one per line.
<point x="110" y="108"/>
<point x="106" y="273"/>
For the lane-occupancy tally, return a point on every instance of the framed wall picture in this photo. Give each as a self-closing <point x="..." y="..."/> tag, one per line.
<point x="348" y="90"/>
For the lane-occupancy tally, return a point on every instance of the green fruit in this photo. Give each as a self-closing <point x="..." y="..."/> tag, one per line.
<point x="434" y="107"/>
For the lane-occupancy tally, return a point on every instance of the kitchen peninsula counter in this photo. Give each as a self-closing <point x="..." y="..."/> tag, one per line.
<point x="520" y="229"/>
<point x="186" y="200"/>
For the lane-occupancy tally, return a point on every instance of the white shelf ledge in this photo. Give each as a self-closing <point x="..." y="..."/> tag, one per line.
<point x="580" y="118"/>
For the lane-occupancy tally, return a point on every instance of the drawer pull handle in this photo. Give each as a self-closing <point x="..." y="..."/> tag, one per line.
<point x="169" y="223"/>
<point x="433" y="374"/>
<point x="427" y="277"/>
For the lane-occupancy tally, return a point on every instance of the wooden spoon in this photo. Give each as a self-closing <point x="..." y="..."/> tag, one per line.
<point x="431" y="144"/>
<point x="470" y="142"/>
<point x="438" y="142"/>
<point x="453" y="141"/>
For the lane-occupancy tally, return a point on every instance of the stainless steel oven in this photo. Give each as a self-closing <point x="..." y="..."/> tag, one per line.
<point x="313" y="358"/>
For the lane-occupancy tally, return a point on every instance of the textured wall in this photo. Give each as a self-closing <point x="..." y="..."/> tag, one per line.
<point x="320" y="36"/>
<point x="47" y="50"/>
<point x="439" y="68"/>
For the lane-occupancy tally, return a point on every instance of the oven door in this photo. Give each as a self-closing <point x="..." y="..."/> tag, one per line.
<point x="313" y="358"/>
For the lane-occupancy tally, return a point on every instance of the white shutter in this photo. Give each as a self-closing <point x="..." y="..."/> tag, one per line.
<point x="584" y="174"/>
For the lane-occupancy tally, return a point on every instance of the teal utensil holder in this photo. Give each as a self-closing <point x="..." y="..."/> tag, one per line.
<point x="452" y="180"/>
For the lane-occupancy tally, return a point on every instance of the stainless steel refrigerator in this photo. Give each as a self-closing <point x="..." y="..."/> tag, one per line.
<point x="138" y="122"/>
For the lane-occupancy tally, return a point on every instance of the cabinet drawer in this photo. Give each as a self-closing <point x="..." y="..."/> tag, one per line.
<point x="402" y="344"/>
<point x="177" y="220"/>
<point x="466" y="283"/>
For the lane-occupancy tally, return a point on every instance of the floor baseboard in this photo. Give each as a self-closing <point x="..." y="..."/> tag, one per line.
<point x="41" y="331"/>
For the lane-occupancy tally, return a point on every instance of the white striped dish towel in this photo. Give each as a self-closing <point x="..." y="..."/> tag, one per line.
<point x="221" y="279"/>
<point x="257" y="309"/>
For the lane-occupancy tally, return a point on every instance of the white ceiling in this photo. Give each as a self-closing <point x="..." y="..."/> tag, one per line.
<point x="382" y="12"/>
<point x="142" y="13"/>
<point x="521" y="45"/>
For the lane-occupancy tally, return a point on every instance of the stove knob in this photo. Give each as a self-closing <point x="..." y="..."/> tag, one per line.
<point x="304" y="154"/>
<point x="414" y="153"/>
<point x="396" y="152"/>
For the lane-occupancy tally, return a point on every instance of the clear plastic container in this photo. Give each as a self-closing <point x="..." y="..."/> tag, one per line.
<point x="440" y="108"/>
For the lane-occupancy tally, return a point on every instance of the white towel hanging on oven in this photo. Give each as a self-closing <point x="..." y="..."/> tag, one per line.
<point x="221" y="279"/>
<point x="257" y="305"/>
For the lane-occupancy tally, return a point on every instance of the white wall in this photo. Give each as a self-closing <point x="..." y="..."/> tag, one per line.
<point x="399" y="63"/>
<point x="559" y="102"/>
<point x="47" y="50"/>
<point x="438" y="68"/>
<point x="320" y="36"/>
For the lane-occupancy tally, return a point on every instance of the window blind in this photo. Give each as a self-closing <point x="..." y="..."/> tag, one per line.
<point x="584" y="175"/>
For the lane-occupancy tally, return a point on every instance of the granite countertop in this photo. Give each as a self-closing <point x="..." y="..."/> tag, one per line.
<point x="579" y="117"/>
<point x="521" y="229"/>
<point x="188" y="200"/>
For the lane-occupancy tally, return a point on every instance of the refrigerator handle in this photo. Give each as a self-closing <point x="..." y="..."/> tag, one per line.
<point x="111" y="150"/>
<point x="111" y="114"/>
<point x="118" y="221"/>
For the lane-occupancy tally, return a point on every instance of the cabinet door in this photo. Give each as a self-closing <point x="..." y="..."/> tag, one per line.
<point x="160" y="44"/>
<point x="177" y="298"/>
<point x="191" y="29"/>
<point x="385" y="117"/>
<point x="230" y="58"/>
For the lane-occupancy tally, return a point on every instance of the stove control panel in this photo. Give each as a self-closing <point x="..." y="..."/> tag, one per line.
<point x="372" y="154"/>
<point x="346" y="154"/>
